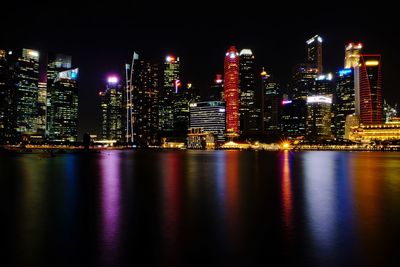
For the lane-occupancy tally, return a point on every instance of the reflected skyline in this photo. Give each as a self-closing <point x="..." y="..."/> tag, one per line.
<point x="220" y="207"/>
<point x="110" y="207"/>
<point x="171" y="203"/>
<point x="286" y="190"/>
<point x="319" y="184"/>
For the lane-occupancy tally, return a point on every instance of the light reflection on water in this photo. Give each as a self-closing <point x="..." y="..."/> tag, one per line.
<point x="220" y="207"/>
<point x="110" y="206"/>
<point x="286" y="191"/>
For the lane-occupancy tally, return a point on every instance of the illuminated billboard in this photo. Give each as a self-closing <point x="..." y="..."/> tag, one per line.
<point x="319" y="99"/>
<point x="344" y="72"/>
<point x="68" y="75"/>
<point x="285" y="102"/>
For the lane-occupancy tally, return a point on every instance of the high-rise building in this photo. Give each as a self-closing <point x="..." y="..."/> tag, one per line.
<point x="40" y="101"/>
<point x="344" y="100"/>
<point x="24" y="71"/>
<point x="293" y="119"/>
<point x="5" y="99"/>
<point x="42" y="108"/>
<point x="111" y="110"/>
<point x="247" y="109"/>
<point x="185" y="95"/>
<point x="217" y="89"/>
<point x="319" y="118"/>
<point x="210" y="117"/>
<point x="370" y="91"/>
<point x="145" y="97"/>
<point x="352" y="55"/>
<point x="324" y="85"/>
<point x="271" y="103"/>
<point x="56" y="63"/>
<point x="314" y="53"/>
<point x="62" y="109"/>
<point x="231" y="90"/>
<point x="303" y="81"/>
<point x="171" y="79"/>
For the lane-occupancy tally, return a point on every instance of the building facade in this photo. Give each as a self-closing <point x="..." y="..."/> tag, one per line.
<point x="303" y="81"/>
<point x="6" y="128"/>
<point x="111" y="110"/>
<point x="63" y="108"/>
<point x="42" y="108"/>
<point x="344" y="100"/>
<point x="217" y="89"/>
<point x="210" y="117"/>
<point x="293" y="118"/>
<point x="375" y="132"/>
<point x="56" y="63"/>
<point x="319" y="119"/>
<point x="231" y="91"/>
<point x="314" y="53"/>
<point x="352" y="55"/>
<point x="145" y="97"/>
<point x="370" y="91"/>
<point x="324" y="85"/>
<point x="271" y="104"/>
<point x="24" y="67"/>
<point x="186" y="94"/>
<point x="171" y="80"/>
<point x="248" y="108"/>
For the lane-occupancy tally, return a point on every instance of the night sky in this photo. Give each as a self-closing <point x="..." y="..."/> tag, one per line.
<point x="101" y="37"/>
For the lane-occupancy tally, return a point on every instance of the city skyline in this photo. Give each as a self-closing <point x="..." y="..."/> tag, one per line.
<point x="99" y="48"/>
<point x="199" y="133"/>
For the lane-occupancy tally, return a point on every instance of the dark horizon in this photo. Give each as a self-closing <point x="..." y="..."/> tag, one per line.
<point x="94" y="34"/>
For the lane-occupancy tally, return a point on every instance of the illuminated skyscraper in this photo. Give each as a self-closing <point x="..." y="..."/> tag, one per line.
<point x="319" y="118"/>
<point x="293" y="119"/>
<point x="62" y="110"/>
<point x="112" y="110"/>
<point x="217" y="89"/>
<point x="145" y="97"/>
<point x="314" y="52"/>
<point x="231" y="90"/>
<point x="344" y="104"/>
<point x="42" y="108"/>
<point x="186" y="94"/>
<point x="303" y="81"/>
<point x="171" y="80"/>
<point x="6" y="128"/>
<point x="247" y="89"/>
<point x="271" y="103"/>
<point x="352" y="55"/>
<point x="24" y="76"/>
<point x="370" y="94"/>
<point x="56" y="63"/>
<point x="324" y="85"/>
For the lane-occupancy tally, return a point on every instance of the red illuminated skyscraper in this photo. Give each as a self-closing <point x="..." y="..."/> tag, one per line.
<point x="231" y="90"/>
<point x="370" y="95"/>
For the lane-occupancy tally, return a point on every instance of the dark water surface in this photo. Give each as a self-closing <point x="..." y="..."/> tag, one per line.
<point x="201" y="208"/>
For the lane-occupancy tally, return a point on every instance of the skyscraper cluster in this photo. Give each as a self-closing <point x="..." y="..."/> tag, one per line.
<point x="156" y="104"/>
<point x="39" y="97"/>
<point x="153" y="103"/>
<point x="314" y="105"/>
<point x="149" y="103"/>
